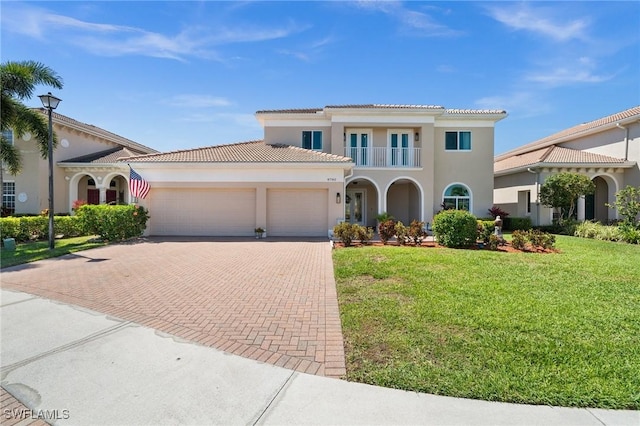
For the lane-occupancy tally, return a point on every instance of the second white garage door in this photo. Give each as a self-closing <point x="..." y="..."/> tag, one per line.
<point x="297" y="212"/>
<point x="202" y="212"/>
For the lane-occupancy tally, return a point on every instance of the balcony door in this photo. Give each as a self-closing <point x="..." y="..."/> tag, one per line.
<point x="359" y="143"/>
<point x="400" y="151"/>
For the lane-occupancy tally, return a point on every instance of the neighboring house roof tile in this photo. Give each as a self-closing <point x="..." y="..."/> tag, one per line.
<point x="90" y="128"/>
<point x="553" y="155"/>
<point x="103" y="157"/>
<point x="243" y="152"/>
<point x="575" y="132"/>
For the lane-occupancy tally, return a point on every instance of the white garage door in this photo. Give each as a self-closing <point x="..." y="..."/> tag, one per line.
<point x="202" y="212"/>
<point x="297" y="212"/>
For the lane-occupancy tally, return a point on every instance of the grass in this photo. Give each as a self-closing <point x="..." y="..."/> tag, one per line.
<point x="558" y="329"/>
<point x="30" y="252"/>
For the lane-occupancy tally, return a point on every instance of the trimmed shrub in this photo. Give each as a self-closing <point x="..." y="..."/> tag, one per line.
<point x="345" y="232"/>
<point x="113" y="223"/>
<point x="455" y="228"/>
<point x="364" y="234"/>
<point x="493" y="242"/>
<point x="416" y="233"/>
<point x="402" y="233"/>
<point x="485" y="230"/>
<point x="518" y="240"/>
<point x="386" y="230"/>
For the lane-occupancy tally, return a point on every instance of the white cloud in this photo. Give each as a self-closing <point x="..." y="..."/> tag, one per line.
<point x="118" y="40"/>
<point x="566" y="71"/>
<point x="543" y="21"/>
<point x="521" y="104"/>
<point x="410" y="21"/>
<point x="197" y="101"/>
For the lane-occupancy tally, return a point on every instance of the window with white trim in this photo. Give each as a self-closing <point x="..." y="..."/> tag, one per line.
<point x="457" y="141"/>
<point x="312" y="139"/>
<point x="8" y="197"/>
<point x="457" y="197"/>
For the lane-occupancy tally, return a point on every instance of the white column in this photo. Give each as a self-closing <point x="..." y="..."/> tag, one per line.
<point x="581" y="211"/>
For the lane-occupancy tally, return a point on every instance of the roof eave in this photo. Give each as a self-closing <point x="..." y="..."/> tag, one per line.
<point x="520" y="169"/>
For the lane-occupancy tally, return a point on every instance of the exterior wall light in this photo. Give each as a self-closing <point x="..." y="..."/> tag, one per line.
<point x="338" y="198"/>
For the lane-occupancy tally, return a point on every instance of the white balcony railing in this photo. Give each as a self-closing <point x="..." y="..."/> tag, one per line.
<point x="384" y="157"/>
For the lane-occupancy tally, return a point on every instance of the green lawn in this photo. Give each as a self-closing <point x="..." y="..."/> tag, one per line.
<point x="30" y="252"/>
<point x="558" y="329"/>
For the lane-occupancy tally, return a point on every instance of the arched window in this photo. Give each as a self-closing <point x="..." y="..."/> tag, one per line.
<point x="457" y="197"/>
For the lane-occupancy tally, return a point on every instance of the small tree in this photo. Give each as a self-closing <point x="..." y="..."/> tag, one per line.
<point x="561" y="191"/>
<point x="628" y="204"/>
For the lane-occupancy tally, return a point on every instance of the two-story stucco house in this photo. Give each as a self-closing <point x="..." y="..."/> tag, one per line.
<point x="317" y="167"/>
<point x="85" y="168"/>
<point x="313" y="169"/>
<point x="607" y="150"/>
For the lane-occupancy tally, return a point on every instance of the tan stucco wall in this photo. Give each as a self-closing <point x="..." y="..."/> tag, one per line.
<point x="472" y="168"/>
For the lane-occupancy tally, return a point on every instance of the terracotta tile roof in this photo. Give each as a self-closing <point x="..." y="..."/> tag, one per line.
<point x="103" y="157"/>
<point x="575" y="131"/>
<point x="476" y="111"/>
<point x="551" y="155"/>
<point x="385" y="106"/>
<point x="453" y="111"/>
<point x="243" y="152"/>
<point x="90" y="128"/>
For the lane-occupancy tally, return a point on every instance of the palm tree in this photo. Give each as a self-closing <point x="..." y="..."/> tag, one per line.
<point x="18" y="81"/>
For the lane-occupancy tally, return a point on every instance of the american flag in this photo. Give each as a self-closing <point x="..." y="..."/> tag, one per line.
<point x="138" y="186"/>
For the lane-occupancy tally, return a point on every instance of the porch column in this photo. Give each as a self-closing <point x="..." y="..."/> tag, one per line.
<point x="581" y="209"/>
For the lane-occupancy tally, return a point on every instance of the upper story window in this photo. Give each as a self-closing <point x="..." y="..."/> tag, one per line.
<point x="8" y="135"/>
<point x="458" y="141"/>
<point x="312" y="139"/>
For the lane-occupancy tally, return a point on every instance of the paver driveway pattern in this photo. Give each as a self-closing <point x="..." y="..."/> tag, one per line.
<point x="269" y="300"/>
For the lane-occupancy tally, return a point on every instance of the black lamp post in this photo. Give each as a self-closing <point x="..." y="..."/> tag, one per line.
<point x="50" y="103"/>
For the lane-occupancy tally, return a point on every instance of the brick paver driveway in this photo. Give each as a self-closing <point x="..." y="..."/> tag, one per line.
<point x="269" y="300"/>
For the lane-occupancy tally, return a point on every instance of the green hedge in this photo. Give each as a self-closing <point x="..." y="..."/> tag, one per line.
<point x="27" y="228"/>
<point x="517" y="223"/>
<point x="113" y="223"/>
<point x="455" y="228"/>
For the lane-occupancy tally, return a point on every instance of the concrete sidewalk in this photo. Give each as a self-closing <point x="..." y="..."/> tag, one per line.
<point x="75" y="366"/>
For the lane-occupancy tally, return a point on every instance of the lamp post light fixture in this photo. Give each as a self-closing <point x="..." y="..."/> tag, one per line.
<point x="50" y="103"/>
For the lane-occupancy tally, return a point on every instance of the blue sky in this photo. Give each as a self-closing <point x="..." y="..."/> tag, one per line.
<point x="182" y="74"/>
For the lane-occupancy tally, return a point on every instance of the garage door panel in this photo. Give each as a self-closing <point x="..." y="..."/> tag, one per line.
<point x="297" y="212"/>
<point x="202" y="212"/>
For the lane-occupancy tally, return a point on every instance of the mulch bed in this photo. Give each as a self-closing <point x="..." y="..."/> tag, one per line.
<point x="506" y="248"/>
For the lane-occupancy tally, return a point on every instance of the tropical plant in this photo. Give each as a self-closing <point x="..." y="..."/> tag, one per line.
<point x="19" y="80"/>
<point x="562" y="190"/>
<point x="17" y="83"/>
<point x="628" y="205"/>
<point x="386" y="230"/>
<point x="496" y="211"/>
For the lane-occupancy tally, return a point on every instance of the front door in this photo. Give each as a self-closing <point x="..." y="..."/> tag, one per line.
<point x="355" y="207"/>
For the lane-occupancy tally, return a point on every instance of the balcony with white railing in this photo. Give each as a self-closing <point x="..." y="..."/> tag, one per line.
<point x="385" y="157"/>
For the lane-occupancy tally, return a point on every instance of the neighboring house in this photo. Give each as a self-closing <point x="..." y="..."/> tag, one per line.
<point x="606" y="150"/>
<point x="317" y="167"/>
<point x="86" y="168"/>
